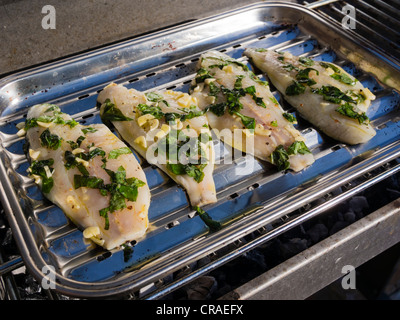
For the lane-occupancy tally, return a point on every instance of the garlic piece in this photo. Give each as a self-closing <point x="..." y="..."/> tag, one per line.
<point x="142" y="120"/>
<point x="141" y="141"/>
<point x="34" y="154"/>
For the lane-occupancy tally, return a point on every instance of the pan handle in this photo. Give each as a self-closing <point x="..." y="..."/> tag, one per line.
<point x="318" y="4"/>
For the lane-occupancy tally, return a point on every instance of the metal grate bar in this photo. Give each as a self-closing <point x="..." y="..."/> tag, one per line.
<point x="376" y="21"/>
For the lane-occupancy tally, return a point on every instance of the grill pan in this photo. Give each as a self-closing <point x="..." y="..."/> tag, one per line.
<point x="247" y="200"/>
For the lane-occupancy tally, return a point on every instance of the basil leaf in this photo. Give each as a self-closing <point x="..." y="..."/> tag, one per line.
<point x="51" y="141"/>
<point x="153" y="110"/>
<point x="218" y="109"/>
<point x="289" y="117"/>
<point x="212" y="224"/>
<point x="348" y="111"/>
<point x="332" y="94"/>
<point x="302" y="76"/>
<point x="339" y="75"/>
<point x="280" y="158"/>
<point x="306" y="61"/>
<point x="89" y="130"/>
<point x="298" y="147"/>
<point x="248" y="122"/>
<point x="295" y="89"/>
<point x="88" y="182"/>
<point x="343" y="78"/>
<point x="153" y="96"/>
<point x="112" y="113"/>
<point x="114" y="154"/>
<point x="214" y="89"/>
<point x="38" y="168"/>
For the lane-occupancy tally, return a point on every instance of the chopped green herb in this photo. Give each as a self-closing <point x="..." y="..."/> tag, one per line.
<point x="339" y="75"/>
<point x="153" y="110"/>
<point x="306" y="61"/>
<point x="333" y="94"/>
<point x="88" y="182"/>
<point x="289" y="117"/>
<point x="298" y="147"/>
<point x="77" y="144"/>
<point x="112" y="113"/>
<point x="202" y="74"/>
<point x="248" y="122"/>
<point x="171" y="146"/>
<point x="214" y="89"/>
<point x="153" y="96"/>
<point x="194" y="171"/>
<point x="290" y="67"/>
<point x="238" y="82"/>
<point x="218" y="109"/>
<point x="348" y="111"/>
<point x="212" y="224"/>
<point x="114" y="154"/>
<point x="302" y="76"/>
<point x="280" y="158"/>
<point x="89" y="130"/>
<point x="295" y="89"/>
<point x="273" y="99"/>
<point x="38" y="168"/>
<point x="51" y="141"/>
<point x="120" y="189"/>
<point x="343" y="78"/>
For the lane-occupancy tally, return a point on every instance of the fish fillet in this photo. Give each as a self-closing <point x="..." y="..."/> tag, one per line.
<point x="323" y="93"/>
<point x="169" y="131"/>
<point x="90" y="174"/>
<point x="246" y="115"/>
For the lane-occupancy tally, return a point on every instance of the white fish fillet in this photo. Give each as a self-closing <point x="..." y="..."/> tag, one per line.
<point x="150" y="122"/>
<point x="336" y="103"/>
<point x="78" y="153"/>
<point x="238" y="102"/>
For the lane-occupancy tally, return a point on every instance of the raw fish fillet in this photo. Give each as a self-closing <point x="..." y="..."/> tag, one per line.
<point x="169" y="131"/>
<point x="239" y="103"/>
<point x="90" y="174"/>
<point x="323" y="93"/>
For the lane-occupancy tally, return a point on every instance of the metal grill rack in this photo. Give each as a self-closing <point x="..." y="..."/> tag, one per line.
<point x="247" y="203"/>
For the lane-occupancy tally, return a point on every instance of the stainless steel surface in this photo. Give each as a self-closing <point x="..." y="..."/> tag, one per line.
<point x="247" y="201"/>
<point x="317" y="267"/>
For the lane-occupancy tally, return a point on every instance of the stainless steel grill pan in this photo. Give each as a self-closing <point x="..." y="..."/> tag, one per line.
<point x="247" y="200"/>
